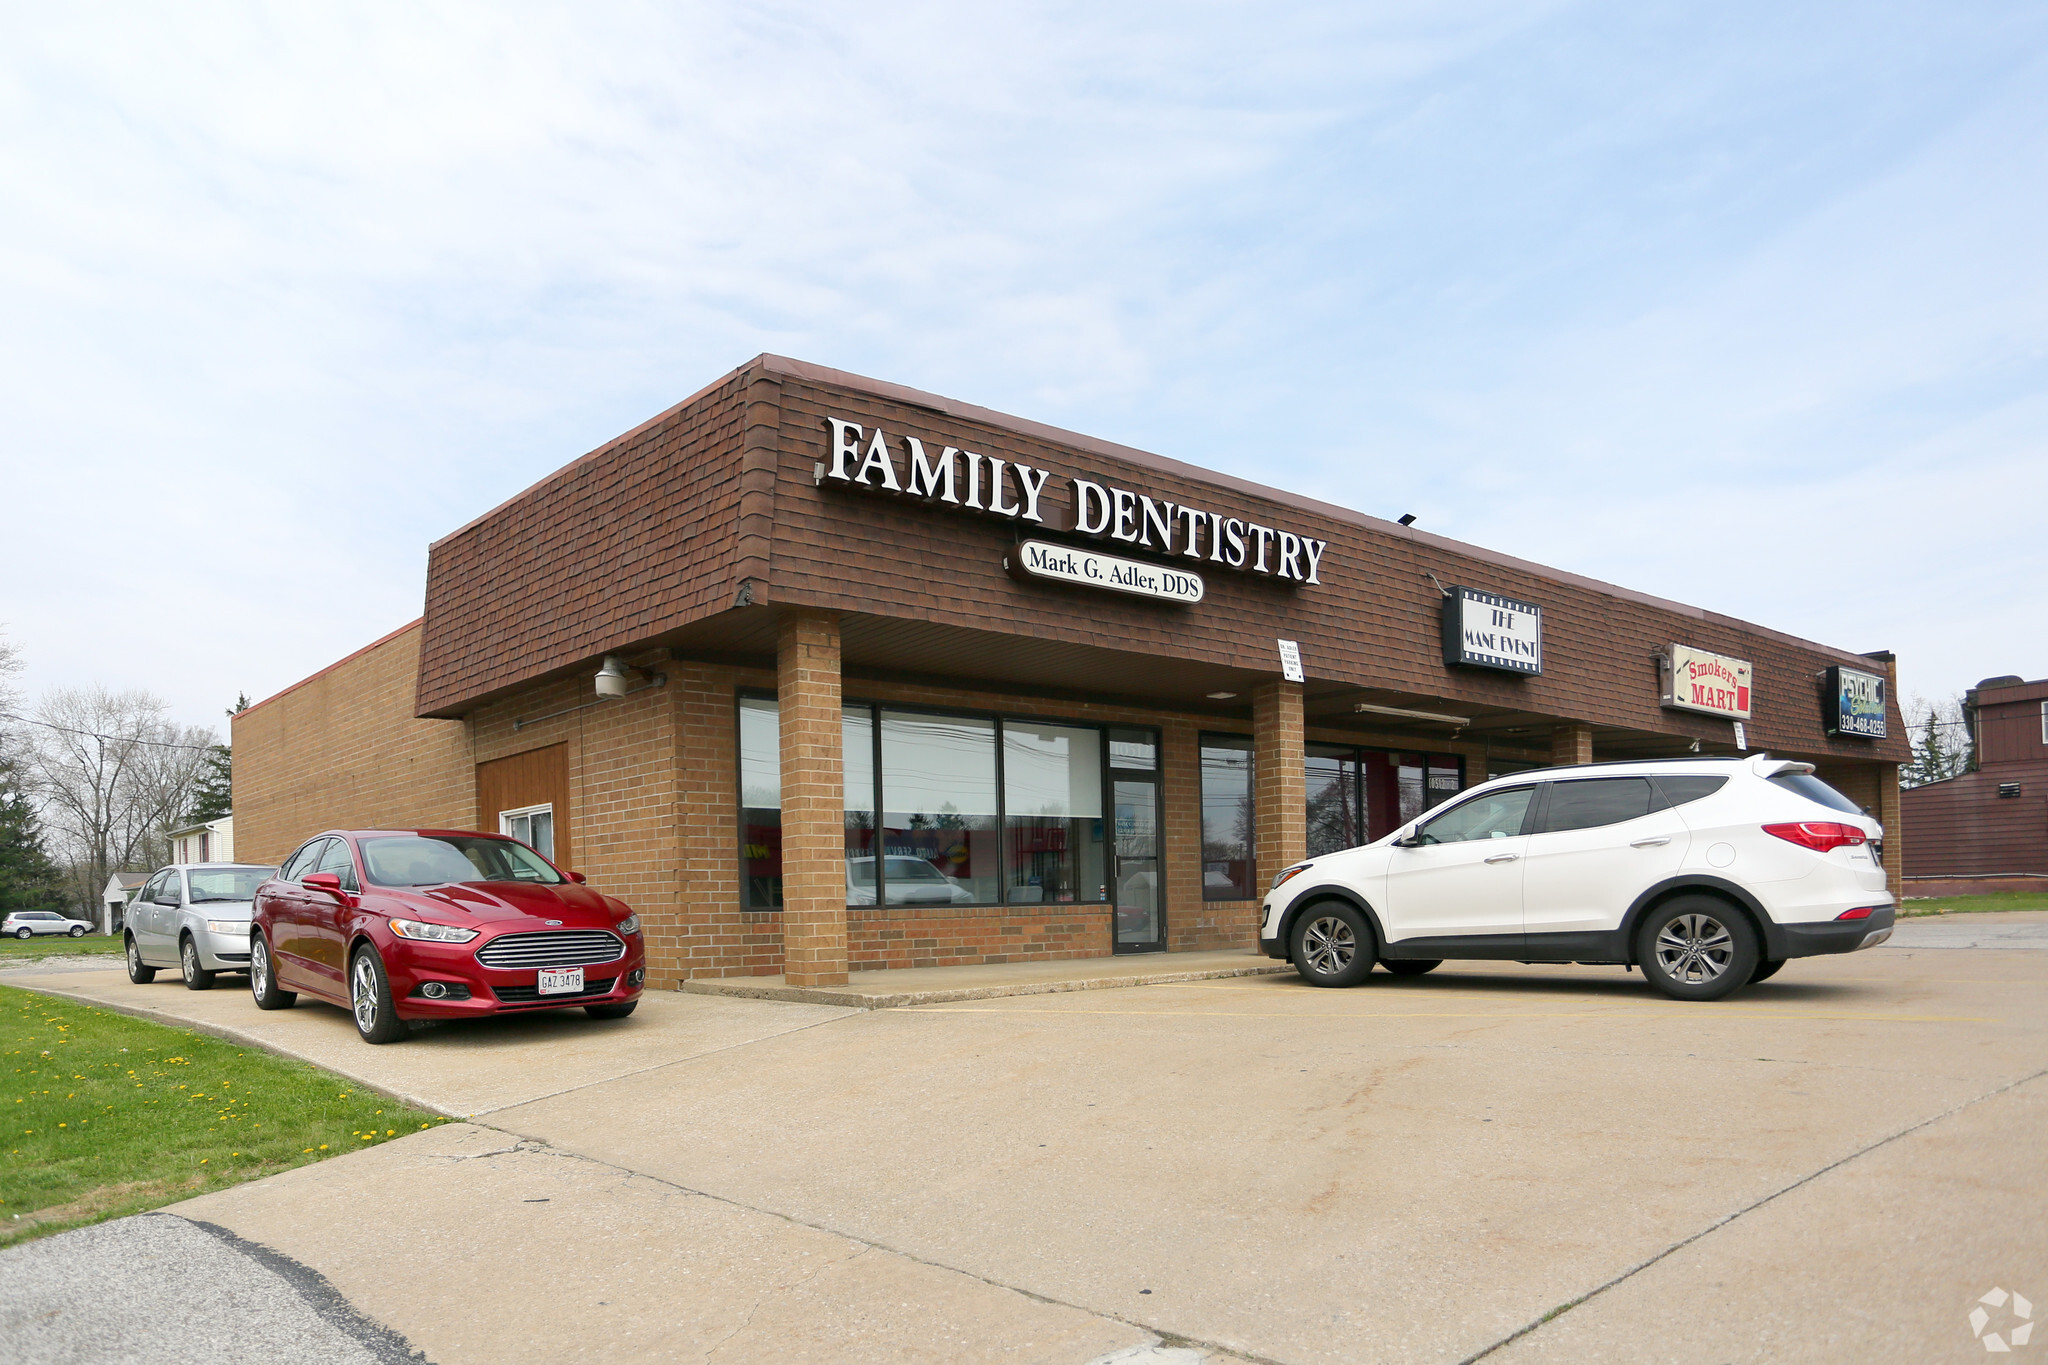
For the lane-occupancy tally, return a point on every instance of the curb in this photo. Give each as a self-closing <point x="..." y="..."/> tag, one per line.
<point x="741" y="988"/>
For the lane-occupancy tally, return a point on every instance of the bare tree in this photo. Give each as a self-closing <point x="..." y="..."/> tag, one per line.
<point x="1940" y="735"/>
<point x="113" y="777"/>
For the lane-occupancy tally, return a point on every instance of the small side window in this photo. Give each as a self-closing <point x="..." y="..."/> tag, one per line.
<point x="340" y="862"/>
<point x="1679" y="789"/>
<point x="1595" y="802"/>
<point x="305" y="860"/>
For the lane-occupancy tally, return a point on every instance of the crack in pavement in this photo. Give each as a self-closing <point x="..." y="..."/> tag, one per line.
<point x="1725" y="1219"/>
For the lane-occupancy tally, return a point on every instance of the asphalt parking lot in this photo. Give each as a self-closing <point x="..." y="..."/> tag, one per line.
<point x="1498" y="1162"/>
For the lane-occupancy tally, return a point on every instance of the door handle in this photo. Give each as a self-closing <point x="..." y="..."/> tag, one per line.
<point x="1503" y="857"/>
<point x="1657" y="842"/>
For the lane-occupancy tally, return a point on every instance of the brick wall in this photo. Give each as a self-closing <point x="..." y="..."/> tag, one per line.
<point x="343" y="750"/>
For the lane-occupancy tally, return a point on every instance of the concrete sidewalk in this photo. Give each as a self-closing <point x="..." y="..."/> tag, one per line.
<point x="1491" y="1161"/>
<point x="897" y="987"/>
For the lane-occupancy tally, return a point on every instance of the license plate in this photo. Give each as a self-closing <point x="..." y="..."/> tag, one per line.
<point x="561" y="980"/>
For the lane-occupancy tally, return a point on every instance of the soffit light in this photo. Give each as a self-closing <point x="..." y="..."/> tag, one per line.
<point x="1221" y="696"/>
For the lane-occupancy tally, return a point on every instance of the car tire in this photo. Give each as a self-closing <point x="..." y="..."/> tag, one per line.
<point x="1411" y="966"/>
<point x="369" y="995"/>
<point x="1766" y="969"/>
<point x="78" y="931"/>
<point x="618" y="1010"/>
<point x="140" y="974"/>
<point x="24" y="933"/>
<point x="1697" y="948"/>
<point x="1332" y="945"/>
<point x="197" y="978"/>
<point x="263" y="978"/>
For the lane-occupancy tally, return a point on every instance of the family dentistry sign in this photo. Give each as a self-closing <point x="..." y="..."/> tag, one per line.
<point x="963" y="479"/>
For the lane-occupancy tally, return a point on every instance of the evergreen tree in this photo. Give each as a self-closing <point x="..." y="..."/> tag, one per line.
<point x="29" y="877"/>
<point x="214" y="794"/>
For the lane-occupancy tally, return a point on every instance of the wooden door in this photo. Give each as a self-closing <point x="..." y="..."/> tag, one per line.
<point x="538" y="777"/>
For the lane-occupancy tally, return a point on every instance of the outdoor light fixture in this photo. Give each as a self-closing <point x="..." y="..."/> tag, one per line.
<point x="1406" y="714"/>
<point x="1221" y="696"/>
<point x="611" y="679"/>
<point x="1407" y="519"/>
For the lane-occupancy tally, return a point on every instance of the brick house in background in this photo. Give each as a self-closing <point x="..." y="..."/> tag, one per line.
<point x="821" y="673"/>
<point x="1986" y="829"/>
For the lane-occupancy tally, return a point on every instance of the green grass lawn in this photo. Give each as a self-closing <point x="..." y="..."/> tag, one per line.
<point x="105" y="1115"/>
<point x="1963" y="905"/>
<point x="56" y="945"/>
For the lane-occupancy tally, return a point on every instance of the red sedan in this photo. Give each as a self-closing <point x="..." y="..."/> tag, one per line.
<point x="398" y="925"/>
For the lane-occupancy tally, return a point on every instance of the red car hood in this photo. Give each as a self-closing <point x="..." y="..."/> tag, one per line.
<point x="497" y="903"/>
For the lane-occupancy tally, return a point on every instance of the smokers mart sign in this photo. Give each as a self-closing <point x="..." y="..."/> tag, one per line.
<point x="946" y="476"/>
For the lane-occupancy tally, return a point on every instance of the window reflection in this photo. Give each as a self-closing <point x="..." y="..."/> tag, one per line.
<point x="1052" y="790"/>
<point x="1228" y="829"/>
<point x="939" y="790"/>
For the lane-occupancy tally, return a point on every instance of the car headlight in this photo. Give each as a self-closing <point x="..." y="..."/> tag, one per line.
<point x="431" y="933"/>
<point x="629" y="925"/>
<point x="234" y="928"/>
<point x="1288" y="873"/>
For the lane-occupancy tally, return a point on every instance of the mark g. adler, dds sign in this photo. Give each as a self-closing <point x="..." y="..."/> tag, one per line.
<point x="1087" y="569"/>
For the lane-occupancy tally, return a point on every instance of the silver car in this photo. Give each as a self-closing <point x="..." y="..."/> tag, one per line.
<point x="28" y="923"/>
<point x="195" y="917"/>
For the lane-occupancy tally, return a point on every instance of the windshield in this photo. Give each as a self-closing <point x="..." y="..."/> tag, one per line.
<point x="226" y="883"/>
<point x="436" y="860"/>
<point x="1813" y="789"/>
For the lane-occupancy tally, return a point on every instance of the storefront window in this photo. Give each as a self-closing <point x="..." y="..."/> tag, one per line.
<point x="939" y="811"/>
<point x="1052" y="793"/>
<point x="857" y="759"/>
<point x="1357" y="795"/>
<point x="760" y="805"/>
<point x="1228" y="830"/>
<point x="1427" y="781"/>
<point x="1334" y="818"/>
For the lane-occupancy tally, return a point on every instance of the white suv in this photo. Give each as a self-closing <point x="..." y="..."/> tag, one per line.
<point x="1706" y="872"/>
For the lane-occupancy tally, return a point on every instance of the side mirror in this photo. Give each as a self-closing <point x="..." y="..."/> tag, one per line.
<point x="322" y="881"/>
<point x="167" y="898"/>
<point x="576" y="877"/>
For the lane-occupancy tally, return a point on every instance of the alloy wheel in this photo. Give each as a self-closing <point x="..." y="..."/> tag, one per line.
<point x="134" y="957"/>
<point x="1694" y="948"/>
<point x="189" y="959"/>
<point x="259" y="968"/>
<point x="364" y="981"/>
<point x="1329" y="945"/>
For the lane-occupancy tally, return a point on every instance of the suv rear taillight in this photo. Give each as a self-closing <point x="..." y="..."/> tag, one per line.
<point x="1860" y="912"/>
<point x="1818" y="835"/>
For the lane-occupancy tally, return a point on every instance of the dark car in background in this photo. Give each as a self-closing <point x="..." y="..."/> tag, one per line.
<point x="400" y="926"/>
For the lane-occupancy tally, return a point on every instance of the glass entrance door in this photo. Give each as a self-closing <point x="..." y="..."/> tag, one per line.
<point x="1140" y="896"/>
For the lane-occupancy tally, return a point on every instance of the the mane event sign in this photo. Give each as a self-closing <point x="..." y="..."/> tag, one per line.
<point x="1486" y="630"/>
<point x="972" y="482"/>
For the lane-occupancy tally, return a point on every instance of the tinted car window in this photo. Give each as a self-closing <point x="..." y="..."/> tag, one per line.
<point x="1598" y="801"/>
<point x="340" y="862"/>
<point x="1493" y="816"/>
<point x="1813" y="789"/>
<point x="1691" y="787"/>
<point x="305" y="860"/>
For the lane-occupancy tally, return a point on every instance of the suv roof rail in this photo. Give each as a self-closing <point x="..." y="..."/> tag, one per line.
<point x="1629" y="763"/>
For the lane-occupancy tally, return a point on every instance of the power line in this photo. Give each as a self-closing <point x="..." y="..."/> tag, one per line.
<point x="112" y="739"/>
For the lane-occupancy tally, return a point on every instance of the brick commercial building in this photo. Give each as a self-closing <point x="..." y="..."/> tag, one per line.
<point x="1987" y="829"/>
<point x="900" y="681"/>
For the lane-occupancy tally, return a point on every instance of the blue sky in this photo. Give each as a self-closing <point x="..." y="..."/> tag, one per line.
<point x="1742" y="305"/>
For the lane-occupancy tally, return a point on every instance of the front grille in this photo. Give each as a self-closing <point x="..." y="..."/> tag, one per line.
<point x="561" y="948"/>
<point x="530" y="995"/>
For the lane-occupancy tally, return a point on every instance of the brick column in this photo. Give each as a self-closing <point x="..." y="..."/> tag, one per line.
<point x="1571" y="744"/>
<point x="1280" y="797"/>
<point x="1892" y="818"/>
<point x="813" y="801"/>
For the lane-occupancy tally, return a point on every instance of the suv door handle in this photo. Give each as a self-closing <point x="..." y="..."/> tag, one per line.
<point x="1656" y="842"/>
<point x="1503" y="857"/>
